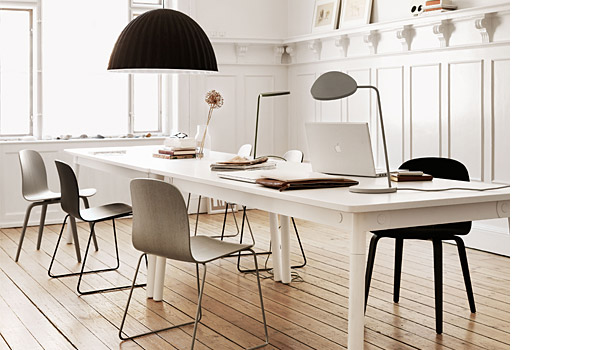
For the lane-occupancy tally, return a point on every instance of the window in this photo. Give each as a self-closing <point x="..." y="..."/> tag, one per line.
<point x="16" y="80"/>
<point x="71" y="92"/>
<point x="146" y="89"/>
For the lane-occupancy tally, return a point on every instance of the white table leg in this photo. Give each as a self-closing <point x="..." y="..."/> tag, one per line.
<point x="151" y="275"/>
<point x="159" y="278"/>
<point x="286" y="274"/>
<point x="275" y="246"/>
<point x="356" y="300"/>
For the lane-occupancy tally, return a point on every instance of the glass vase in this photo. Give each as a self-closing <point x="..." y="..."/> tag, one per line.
<point x="203" y="141"/>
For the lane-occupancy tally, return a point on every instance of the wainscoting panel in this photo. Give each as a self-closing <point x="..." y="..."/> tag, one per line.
<point x="303" y="109"/>
<point x="390" y="82"/>
<point x="501" y="121"/>
<point x="425" y="115"/>
<point x="253" y="86"/>
<point x="225" y="118"/>
<point x="465" y="117"/>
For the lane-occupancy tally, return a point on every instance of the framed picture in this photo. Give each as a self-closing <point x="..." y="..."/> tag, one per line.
<point x="355" y="13"/>
<point x="325" y="16"/>
<point x="217" y="206"/>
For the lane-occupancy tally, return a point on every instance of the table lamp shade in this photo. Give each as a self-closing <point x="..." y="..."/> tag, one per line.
<point x="332" y="86"/>
<point x="163" y="41"/>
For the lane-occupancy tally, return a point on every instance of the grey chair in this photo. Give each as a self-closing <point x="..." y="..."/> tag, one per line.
<point x="161" y="227"/>
<point x="34" y="187"/>
<point x="294" y="156"/>
<point x="70" y="204"/>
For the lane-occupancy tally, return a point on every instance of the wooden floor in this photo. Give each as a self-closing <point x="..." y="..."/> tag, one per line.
<point x="37" y="312"/>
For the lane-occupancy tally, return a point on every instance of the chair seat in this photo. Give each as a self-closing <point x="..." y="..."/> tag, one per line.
<point x="50" y="195"/>
<point x="205" y="249"/>
<point x="105" y="212"/>
<point x="427" y="232"/>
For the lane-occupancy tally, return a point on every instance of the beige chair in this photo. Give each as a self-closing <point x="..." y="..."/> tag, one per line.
<point x="35" y="190"/>
<point x="161" y="227"/>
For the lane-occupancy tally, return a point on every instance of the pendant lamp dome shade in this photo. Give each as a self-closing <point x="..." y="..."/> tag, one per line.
<point x="163" y="41"/>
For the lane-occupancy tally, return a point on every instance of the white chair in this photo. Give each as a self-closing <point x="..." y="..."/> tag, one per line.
<point x="294" y="156"/>
<point x="243" y="151"/>
<point x="35" y="190"/>
<point x="161" y="227"/>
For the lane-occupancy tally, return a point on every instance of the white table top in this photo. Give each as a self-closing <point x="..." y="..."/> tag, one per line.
<point x="139" y="158"/>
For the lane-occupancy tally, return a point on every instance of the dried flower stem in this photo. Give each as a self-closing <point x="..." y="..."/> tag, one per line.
<point x="206" y="129"/>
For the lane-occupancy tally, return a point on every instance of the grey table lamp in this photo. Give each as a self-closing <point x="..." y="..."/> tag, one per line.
<point x="336" y="85"/>
<point x="264" y="94"/>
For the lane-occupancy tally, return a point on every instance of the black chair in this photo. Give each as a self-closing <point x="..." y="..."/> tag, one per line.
<point x="439" y="168"/>
<point x="69" y="202"/>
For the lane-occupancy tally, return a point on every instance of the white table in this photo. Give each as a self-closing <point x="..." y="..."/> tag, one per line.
<point x="337" y="207"/>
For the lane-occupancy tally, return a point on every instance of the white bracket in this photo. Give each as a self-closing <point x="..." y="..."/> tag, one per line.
<point x="342" y="42"/>
<point x="372" y="40"/>
<point x="484" y="24"/>
<point x="277" y="52"/>
<point x="291" y="50"/>
<point x="241" y="50"/>
<point x="443" y="30"/>
<point x="405" y="34"/>
<point x="315" y="46"/>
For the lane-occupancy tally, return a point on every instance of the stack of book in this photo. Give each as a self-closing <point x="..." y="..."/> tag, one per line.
<point x="437" y="6"/>
<point x="241" y="163"/>
<point x="176" y="153"/>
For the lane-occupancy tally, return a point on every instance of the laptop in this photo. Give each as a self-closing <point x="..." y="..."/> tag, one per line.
<point x="341" y="149"/>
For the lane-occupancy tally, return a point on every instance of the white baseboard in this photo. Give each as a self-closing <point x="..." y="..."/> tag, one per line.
<point x="488" y="238"/>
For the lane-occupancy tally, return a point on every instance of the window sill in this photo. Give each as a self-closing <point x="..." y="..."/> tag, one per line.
<point x="87" y="140"/>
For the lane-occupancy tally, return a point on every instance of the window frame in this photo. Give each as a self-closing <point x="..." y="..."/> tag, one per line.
<point x="136" y="9"/>
<point x="33" y="61"/>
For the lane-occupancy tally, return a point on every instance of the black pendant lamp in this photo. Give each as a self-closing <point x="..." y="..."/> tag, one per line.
<point x="163" y="41"/>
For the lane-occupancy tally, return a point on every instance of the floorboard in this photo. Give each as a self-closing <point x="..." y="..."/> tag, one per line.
<point x="310" y="313"/>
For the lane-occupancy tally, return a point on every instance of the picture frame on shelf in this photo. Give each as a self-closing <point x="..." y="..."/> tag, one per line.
<point x="325" y="15"/>
<point x="355" y="13"/>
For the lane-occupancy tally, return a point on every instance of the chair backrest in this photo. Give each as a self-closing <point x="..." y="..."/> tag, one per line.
<point x="294" y="156"/>
<point x="245" y="150"/>
<point x="443" y="168"/>
<point x="69" y="189"/>
<point x="34" y="179"/>
<point x="160" y="221"/>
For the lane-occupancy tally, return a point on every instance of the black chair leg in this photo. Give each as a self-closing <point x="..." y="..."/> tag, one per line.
<point x="437" y="272"/>
<point x="462" y="253"/>
<point x="300" y="245"/>
<point x="370" y="263"/>
<point x="397" y="268"/>
<point x="86" y="204"/>
<point x="92" y="234"/>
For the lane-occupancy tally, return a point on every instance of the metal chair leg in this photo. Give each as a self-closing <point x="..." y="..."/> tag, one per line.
<point x="262" y="305"/>
<point x="92" y="234"/>
<point x="25" y="222"/>
<point x="199" y="307"/>
<point x="121" y="334"/>
<point x="439" y="293"/>
<point x="268" y="252"/>
<point x="237" y="227"/>
<point x="462" y="253"/>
